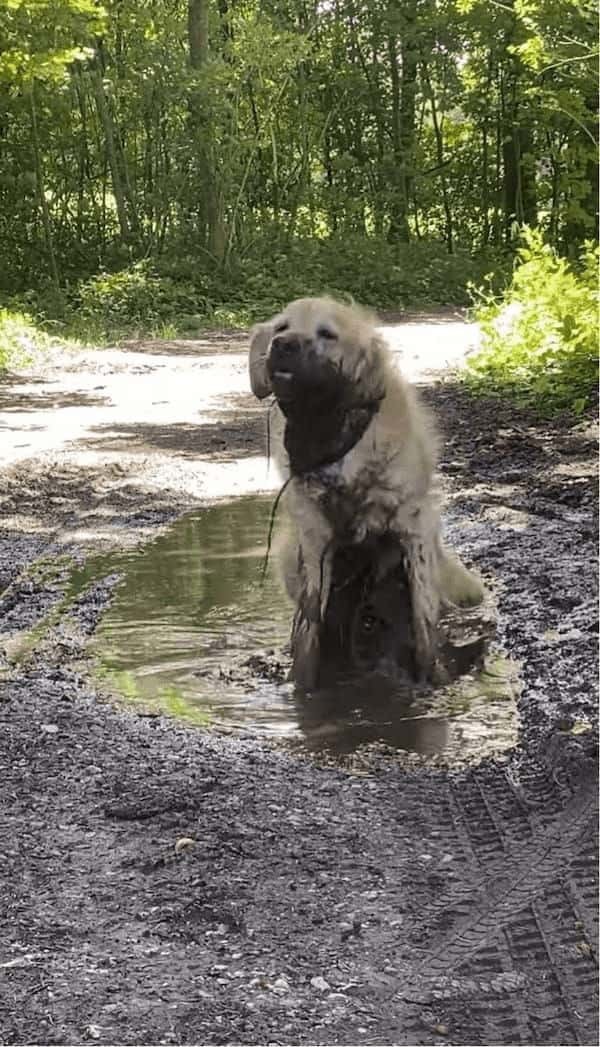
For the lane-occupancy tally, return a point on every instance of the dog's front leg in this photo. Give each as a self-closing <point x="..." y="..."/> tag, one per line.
<point x="422" y="576"/>
<point x="315" y="560"/>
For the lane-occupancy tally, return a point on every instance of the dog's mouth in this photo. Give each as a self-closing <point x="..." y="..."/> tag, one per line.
<point x="285" y="387"/>
<point x="324" y="410"/>
<point x="307" y="383"/>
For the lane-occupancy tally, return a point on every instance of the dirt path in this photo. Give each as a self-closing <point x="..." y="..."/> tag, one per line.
<point x="161" y="884"/>
<point x="175" y="420"/>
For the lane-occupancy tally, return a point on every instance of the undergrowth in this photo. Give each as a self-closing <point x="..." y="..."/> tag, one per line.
<point x="20" y="338"/>
<point x="540" y="336"/>
<point x="181" y="294"/>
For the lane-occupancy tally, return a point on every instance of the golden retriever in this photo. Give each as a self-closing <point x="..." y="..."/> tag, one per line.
<point x="359" y="452"/>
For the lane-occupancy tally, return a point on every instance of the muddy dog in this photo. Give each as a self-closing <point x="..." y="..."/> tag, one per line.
<point x="359" y="453"/>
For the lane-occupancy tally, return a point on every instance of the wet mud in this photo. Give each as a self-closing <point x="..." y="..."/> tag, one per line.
<point x="166" y="883"/>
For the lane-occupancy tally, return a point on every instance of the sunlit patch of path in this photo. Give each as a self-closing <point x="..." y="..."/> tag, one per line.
<point x="93" y="408"/>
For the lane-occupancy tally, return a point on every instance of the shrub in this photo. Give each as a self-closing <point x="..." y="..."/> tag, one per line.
<point x="372" y="271"/>
<point x="540" y="337"/>
<point x="19" y="338"/>
<point x="137" y="296"/>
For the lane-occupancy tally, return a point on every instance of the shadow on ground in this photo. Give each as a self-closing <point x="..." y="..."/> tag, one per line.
<point x="64" y="497"/>
<point x="19" y="401"/>
<point x="211" y="343"/>
<point x="229" y="437"/>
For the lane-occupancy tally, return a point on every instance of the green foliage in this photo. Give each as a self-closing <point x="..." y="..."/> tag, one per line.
<point x="41" y="38"/>
<point x="19" y="338"/>
<point x="170" y="166"/>
<point x="348" y="124"/>
<point x="175" y="294"/>
<point x="135" y="297"/>
<point x="540" y="337"/>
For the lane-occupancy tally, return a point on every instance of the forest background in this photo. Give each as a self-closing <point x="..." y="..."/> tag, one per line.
<point x="172" y="165"/>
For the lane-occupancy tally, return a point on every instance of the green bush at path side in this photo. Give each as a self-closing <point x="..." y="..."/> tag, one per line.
<point x="540" y="337"/>
<point x="20" y="338"/>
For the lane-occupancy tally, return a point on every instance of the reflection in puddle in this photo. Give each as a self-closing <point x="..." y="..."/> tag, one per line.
<point x="192" y="631"/>
<point x="473" y="717"/>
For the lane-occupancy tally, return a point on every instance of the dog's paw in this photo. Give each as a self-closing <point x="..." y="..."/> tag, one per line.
<point x="305" y="655"/>
<point x="459" y="586"/>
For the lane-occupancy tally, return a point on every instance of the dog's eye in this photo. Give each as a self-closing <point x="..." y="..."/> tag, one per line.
<point x="327" y="333"/>
<point x="283" y="326"/>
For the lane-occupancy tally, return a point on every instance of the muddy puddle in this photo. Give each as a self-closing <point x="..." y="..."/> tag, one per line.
<point x="194" y="631"/>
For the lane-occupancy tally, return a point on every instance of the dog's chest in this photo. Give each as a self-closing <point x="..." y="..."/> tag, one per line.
<point x="354" y="506"/>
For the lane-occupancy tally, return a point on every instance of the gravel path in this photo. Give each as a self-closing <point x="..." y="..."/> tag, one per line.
<point x="164" y="884"/>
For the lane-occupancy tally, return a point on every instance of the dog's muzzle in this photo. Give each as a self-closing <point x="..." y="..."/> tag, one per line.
<point x="324" y="410"/>
<point x="294" y="367"/>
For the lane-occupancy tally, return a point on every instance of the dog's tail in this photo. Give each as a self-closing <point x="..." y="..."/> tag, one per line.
<point x="458" y="585"/>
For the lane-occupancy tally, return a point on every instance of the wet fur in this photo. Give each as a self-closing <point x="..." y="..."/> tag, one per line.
<point x="384" y="484"/>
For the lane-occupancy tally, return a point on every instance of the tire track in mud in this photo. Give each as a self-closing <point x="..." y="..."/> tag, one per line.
<point x="517" y="945"/>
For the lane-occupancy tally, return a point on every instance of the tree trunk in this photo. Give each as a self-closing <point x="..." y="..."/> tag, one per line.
<point x="498" y="181"/>
<point x="404" y="90"/>
<point x="527" y="188"/>
<point x="519" y="188"/>
<point x="211" y="217"/>
<point x="582" y="224"/>
<point x="439" y="147"/>
<point x="41" y="193"/>
<point x="111" y="152"/>
<point x="198" y="32"/>
<point x="398" y="228"/>
<point x="519" y="197"/>
<point x="485" y="159"/>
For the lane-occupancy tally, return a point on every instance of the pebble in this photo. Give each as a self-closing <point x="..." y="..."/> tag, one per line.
<point x="319" y="983"/>
<point x="281" y="985"/>
<point x="184" y="843"/>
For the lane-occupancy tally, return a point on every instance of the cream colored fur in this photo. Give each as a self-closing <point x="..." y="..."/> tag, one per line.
<point x="385" y="481"/>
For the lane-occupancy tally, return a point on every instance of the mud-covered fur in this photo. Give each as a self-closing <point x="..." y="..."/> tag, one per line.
<point x="380" y="484"/>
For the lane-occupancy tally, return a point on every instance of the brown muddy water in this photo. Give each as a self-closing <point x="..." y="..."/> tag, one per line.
<point x="194" y="631"/>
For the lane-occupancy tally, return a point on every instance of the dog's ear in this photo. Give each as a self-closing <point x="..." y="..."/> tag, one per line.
<point x="260" y="340"/>
<point x="370" y="368"/>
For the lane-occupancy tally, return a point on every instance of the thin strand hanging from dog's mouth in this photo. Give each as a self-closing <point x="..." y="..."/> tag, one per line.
<point x="274" y="509"/>
<point x="272" y="406"/>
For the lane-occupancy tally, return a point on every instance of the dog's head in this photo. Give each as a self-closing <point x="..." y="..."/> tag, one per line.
<point x="317" y="351"/>
<point x="325" y="364"/>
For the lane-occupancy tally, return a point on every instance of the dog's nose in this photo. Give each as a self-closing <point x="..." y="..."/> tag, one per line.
<point x="286" y="345"/>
